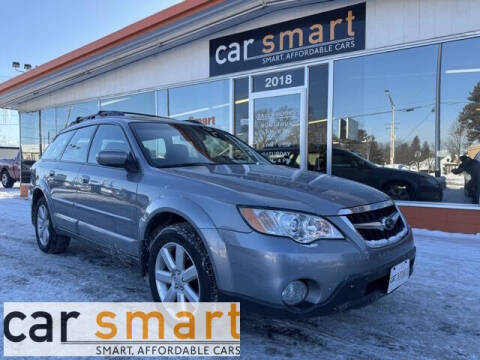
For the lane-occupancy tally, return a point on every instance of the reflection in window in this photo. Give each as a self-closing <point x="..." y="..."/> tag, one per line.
<point x="77" y="148"/>
<point x="65" y="115"/>
<point x="208" y="103"/>
<point x="384" y="123"/>
<point x="162" y="102"/>
<point x="276" y="130"/>
<point x="240" y="94"/>
<point x="317" y="117"/>
<point x="9" y="128"/>
<point x="30" y="136"/>
<point x="49" y="127"/>
<point x="143" y="103"/>
<point x="460" y="120"/>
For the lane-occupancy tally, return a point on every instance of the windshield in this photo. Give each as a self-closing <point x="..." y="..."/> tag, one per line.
<point x="173" y="145"/>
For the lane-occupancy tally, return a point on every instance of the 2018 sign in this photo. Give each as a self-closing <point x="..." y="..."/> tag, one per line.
<point x="333" y="32"/>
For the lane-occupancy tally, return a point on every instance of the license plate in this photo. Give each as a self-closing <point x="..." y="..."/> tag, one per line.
<point x="399" y="275"/>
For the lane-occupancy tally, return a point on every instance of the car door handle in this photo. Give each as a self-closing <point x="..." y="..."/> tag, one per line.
<point x="51" y="173"/>
<point x="85" y="179"/>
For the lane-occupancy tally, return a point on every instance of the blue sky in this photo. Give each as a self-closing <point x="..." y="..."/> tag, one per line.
<point x="36" y="31"/>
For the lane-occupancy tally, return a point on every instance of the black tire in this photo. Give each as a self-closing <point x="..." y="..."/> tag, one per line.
<point x="399" y="191"/>
<point x="185" y="235"/>
<point x="53" y="243"/>
<point x="7" y="181"/>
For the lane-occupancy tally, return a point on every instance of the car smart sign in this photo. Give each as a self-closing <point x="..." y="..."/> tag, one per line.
<point x="334" y="32"/>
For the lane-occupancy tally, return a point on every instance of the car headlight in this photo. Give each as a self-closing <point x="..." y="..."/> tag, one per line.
<point x="302" y="228"/>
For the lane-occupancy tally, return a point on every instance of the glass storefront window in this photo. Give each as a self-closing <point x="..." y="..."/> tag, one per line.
<point x="276" y="129"/>
<point x="143" y="103"/>
<point x="9" y="128"/>
<point x="49" y="127"/>
<point x="30" y="136"/>
<point x="459" y="154"/>
<point x="66" y="114"/>
<point x="240" y="95"/>
<point x="162" y="102"/>
<point x="317" y="117"/>
<point x="384" y="123"/>
<point x="208" y="103"/>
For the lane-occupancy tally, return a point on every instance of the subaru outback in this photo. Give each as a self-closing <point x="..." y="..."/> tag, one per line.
<point x="206" y="216"/>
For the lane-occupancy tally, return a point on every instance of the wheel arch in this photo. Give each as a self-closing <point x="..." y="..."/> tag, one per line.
<point x="410" y="184"/>
<point x="166" y="216"/>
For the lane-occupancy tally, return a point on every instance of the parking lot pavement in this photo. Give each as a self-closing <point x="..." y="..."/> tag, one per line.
<point x="436" y="315"/>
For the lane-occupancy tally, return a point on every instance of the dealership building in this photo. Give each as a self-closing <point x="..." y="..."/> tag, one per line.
<point x="384" y="92"/>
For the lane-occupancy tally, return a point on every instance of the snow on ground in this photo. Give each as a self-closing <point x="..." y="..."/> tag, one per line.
<point x="436" y="315"/>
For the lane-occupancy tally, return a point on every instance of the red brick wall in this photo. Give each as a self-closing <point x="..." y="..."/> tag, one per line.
<point x="450" y="220"/>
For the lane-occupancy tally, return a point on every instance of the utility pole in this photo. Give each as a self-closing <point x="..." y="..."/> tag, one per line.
<point x="392" y="130"/>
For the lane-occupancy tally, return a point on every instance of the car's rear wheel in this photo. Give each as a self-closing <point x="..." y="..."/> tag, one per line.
<point x="179" y="268"/>
<point x="7" y="181"/>
<point x="399" y="191"/>
<point x="47" y="239"/>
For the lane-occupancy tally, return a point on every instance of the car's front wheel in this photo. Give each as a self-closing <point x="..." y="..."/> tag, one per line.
<point x="47" y="239"/>
<point x="179" y="268"/>
<point x="7" y="181"/>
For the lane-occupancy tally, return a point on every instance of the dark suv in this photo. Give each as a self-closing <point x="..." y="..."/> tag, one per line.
<point x="204" y="214"/>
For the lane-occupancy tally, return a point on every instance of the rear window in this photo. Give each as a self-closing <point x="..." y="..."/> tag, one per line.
<point x="77" y="148"/>
<point x="54" y="150"/>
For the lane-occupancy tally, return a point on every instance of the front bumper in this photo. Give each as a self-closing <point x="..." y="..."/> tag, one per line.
<point x="340" y="274"/>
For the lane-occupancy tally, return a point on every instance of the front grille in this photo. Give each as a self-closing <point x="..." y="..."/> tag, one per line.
<point x="370" y="224"/>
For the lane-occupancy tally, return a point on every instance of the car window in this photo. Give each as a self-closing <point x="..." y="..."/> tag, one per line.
<point x="342" y="160"/>
<point x="167" y="145"/>
<point x="54" y="150"/>
<point x="77" y="148"/>
<point x="107" y="138"/>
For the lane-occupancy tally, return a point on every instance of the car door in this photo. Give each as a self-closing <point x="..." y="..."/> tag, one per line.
<point x="107" y="195"/>
<point x="63" y="179"/>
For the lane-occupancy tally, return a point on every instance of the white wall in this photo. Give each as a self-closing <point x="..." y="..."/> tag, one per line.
<point x="389" y="22"/>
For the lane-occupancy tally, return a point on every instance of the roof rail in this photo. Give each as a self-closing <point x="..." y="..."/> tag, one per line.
<point x="194" y="121"/>
<point x="103" y="113"/>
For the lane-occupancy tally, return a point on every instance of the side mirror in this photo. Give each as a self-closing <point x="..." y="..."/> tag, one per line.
<point x="118" y="159"/>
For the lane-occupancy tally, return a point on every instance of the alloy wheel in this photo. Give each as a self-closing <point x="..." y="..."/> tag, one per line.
<point x="4" y="179"/>
<point x="176" y="275"/>
<point x="43" y="225"/>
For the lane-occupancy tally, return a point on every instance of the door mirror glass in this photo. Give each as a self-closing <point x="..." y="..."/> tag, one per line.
<point x="118" y="159"/>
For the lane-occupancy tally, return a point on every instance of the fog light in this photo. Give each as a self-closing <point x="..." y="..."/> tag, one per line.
<point x="294" y="293"/>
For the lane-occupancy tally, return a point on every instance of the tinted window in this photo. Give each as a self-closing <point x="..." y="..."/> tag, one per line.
<point x="317" y="117"/>
<point x="167" y="145"/>
<point x="241" y="108"/>
<point x="108" y="138"/>
<point x="55" y="149"/>
<point x="77" y="148"/>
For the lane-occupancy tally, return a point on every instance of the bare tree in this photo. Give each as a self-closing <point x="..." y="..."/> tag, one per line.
<point x="457" y="140"/>
<point x="269" y="126"/>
